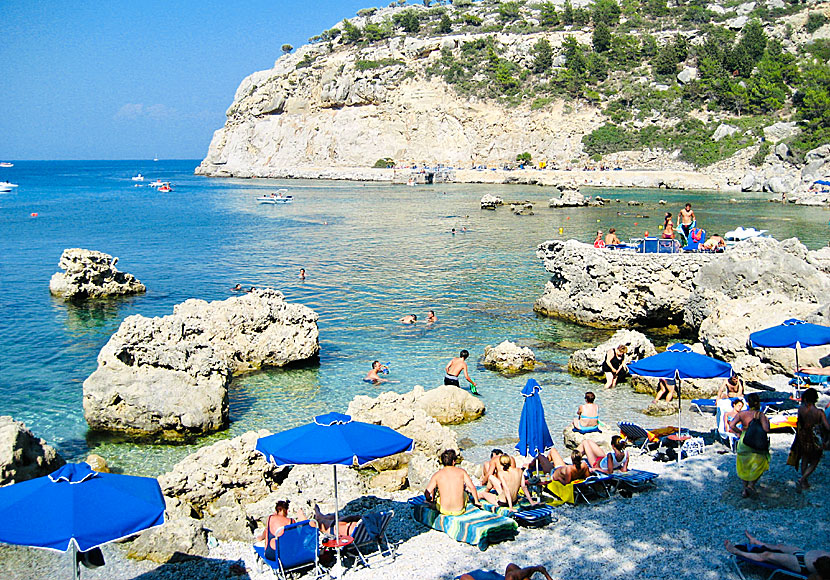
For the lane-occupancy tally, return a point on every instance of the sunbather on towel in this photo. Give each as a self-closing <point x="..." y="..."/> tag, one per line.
<point x="446" y="488"/>
<point x="617" y="460"/>
<point x="491" y="466"/>
<point x="587" y="415"/>
<point x="507" y="482"/>
<point x="513" y="572"/>
<point x="804" y="562"/>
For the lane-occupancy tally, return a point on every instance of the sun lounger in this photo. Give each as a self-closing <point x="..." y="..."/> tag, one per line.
<point x="773" y="570"/>
<point x="785" y="420"/>
<point x="710" y="405"/>
<point x="594" y="487"/>
<point x="476" y="526"/>
<point x="526" y="514"/>
<point x="369" y="537"/>
<point x="296" y="549"/>
<point x="644" y="439"/>
<point x="634" y="479"/>
<point x="483" y="575"/>
<point x="726" y="436"/>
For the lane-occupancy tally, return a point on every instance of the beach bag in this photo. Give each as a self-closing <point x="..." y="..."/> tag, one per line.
<point x="755" y="436"/>
<point x="792" y="457"/>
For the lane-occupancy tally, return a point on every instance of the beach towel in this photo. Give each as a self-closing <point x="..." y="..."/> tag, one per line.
<point x="484" y="575"/>
<point x="565" y="493"/>
<point x="750" y="464"/>
<point x="526" y="514"/>
<point x="475" y="526"/>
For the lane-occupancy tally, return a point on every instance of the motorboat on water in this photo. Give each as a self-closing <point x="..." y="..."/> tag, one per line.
<point x="6" y="164"/>
<point x="157" y="183"/>
<point x="6" y="187"/>
<point x="278" y="196"/>
<point x="741" y="233"/>
<point x="138" y="177"/>
<point x="165" y="188"/>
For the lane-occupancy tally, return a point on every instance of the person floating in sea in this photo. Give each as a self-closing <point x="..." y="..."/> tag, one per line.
<point x="373" y="375"/>
<point x="431" y="318"/>
<point x="454" y="369"/>
<point x="448" y="487"/>
<point x="251" y="289"/>
<point x="807" y="448"/>
<point x="686" y="220"/>
<point x="408" y="319"/>
<point x="237" y="288"/>
<point x="302" y="273"/>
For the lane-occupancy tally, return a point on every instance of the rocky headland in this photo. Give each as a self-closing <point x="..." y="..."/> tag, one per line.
<point x="478" y="85"/>
<point x="23" y="455"/>
<point x="168" y="377"/>
<point x="91" y="274"/>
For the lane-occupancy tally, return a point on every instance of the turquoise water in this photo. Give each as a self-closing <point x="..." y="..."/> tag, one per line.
<point x="372" y="252"/>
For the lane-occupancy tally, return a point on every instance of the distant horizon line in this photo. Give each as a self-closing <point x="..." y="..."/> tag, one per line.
<point x="151" y="159"/>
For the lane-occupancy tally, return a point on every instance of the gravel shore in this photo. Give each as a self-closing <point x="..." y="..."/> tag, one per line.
<point x="673" y="531"/>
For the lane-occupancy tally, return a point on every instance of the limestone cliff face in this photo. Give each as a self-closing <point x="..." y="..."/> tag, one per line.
<point x="334" y="114"/>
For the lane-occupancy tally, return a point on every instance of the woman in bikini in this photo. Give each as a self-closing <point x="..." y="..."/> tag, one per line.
<point x="617" y="460"/>
<point x="274" y="526"/>
<point x="668" y="227"/>
<point x="804" y="562"/>
<point x="587" y="415"/>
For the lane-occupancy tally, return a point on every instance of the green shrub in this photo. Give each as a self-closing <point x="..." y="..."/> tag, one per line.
<point x="307" y="61"/>
<point x="758" y="159"/>
<point x="371" y="64"/>
<point x="509" y="11"/>
<point x="352" y="33"/>
<point x="606" y="12"/>
<point x="542" y="56"/>
<point x="548" y="16"/>
<point x="444" y="25"/>
<point x="540" y="103"/>
<point x="815" y="20"/>
<point x="819" y="49"/>
<point x="407" y="20"/>
<point x="366" y="11"/>
<point x="384" y="163"/>
<point x="524" y="157"/>
<point x="601" y="38"/>
<point x="471" y="20"/>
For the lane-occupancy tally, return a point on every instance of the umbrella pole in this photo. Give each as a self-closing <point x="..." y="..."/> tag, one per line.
<point x="337" y="523"/>
<point x="679" y="413"/>
<point x="75" y="571"/>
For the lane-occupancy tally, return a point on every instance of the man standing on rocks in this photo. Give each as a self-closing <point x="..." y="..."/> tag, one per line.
<point x="686" y="220"/>
<point x="453" y="371"/>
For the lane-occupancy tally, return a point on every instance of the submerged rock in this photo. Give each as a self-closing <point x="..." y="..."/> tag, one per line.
<point x="509" y="357"/>
<point x="589" y="361"/>
<point x="168" y="377"/>
<point x="91" y="274"/>
<point x="23" y="455"/>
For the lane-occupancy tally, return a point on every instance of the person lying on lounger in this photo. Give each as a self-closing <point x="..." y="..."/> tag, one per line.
<point x="512" y="572"/>
<point x="617" y="460"/>
<point x="804" y="562"/>
<point x="507" y="482"/>
<point x="560" y="471"/>
<point x="345" y="525"/>
<point x="446" y="488"/>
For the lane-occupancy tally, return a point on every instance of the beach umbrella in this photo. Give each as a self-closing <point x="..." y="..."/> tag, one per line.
<point x="792" y="333"/>
<point x="680" y="362"/>
<point x="77" y="508"/>
<point x="534" y="435"/>
<point x="333" y="439"/>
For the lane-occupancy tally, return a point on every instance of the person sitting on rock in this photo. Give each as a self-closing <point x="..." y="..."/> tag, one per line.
<point x="613" y="365"/>
<point x="446" y="488"/>
<point x="665" y="389"/>
<point x="587" y="415"/>
<point x="507" y="482"/>
<point x="274" y="526"/>
<point x="617" y="460"/>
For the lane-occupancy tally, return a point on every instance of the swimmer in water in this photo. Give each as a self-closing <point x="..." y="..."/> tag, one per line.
<point x="372" y="376"/>
<point x="302" y="273"/>
<point x="431" y="318"/>
<point x="237" y="288"/>
<point x="408" y="319"/>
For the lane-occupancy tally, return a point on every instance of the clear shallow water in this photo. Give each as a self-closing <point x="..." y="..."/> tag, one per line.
<point x="372" y="253"/>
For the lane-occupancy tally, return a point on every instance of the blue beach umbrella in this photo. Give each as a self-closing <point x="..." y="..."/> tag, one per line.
<point x="534" y="435"/>
<point x="78" y="508"/>
<point x="680" y="362"/>
<point x="333" y="439"/>
<point x="792" y="333"/>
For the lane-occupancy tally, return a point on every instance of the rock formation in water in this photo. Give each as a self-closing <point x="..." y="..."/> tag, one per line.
<point x="589" y="361"/>
<point x="23" y="455"/>
<point x="168" y="377"/>
<point x="91" y="274"/>
<point x="509" y="357"/>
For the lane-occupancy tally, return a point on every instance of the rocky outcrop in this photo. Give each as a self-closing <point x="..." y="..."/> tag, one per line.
<point x="177" y="540"/>
<point x="689" y="388"/>
<point x="589" y="361"/>
<point x="490" y="201"/>
<point x="572" y="439"/>
<point x="568" y="198"/>
<point x="508" y="357"/>
<point x="449" y="405"/>
<point x="609" y="289"/>
<point x="168" y="377"/>
<point x="91" y="274"/>
<point x="23" y="455"/>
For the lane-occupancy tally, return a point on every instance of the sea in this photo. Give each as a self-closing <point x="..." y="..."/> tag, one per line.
<point x="372" y="253"/>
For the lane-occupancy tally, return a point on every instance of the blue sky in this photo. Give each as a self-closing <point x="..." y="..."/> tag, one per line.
<point x="133" y="80"/>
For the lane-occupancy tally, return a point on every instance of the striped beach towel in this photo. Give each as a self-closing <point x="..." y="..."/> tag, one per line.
<point x="526" y="515"/>
<point x="476" y="526"/>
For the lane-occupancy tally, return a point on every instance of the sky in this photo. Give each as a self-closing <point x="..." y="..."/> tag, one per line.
<point x="137" y="79"/>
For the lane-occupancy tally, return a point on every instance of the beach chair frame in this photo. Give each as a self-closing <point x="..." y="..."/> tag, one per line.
<point x="293" y="535"/>
<point x="635" y="433"/>
<point x="366" y="546"/>
<point x="596" y="485"/>
<point x="774" y="570"/>
<point x="634" y="479"/>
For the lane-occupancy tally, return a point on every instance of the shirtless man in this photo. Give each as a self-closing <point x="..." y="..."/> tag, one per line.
<point x="788" y="557"/>
<point x="510" y="480"/>
<point x="431" y="317"/>
<point x="611" y="238"/>
<point x="714" y="242"/>
<point x="685" y="219"/>
<point x="490" y="466"/>
<point x="453" y="371"/>
<point x="731" y="387"/>
<point x="408" y="319"/>
<point x="447" y="486"/>
<point x="372" y="376"/>
<point x="806" y="445"/>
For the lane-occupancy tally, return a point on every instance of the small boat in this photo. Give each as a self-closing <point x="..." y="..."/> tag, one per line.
<point x="6" y="187"/>
<point x="276" y="197"/>
<point x="165" y="188"/>
<point x="740" y="234"/>
<point x="156" y="183"/>
<point x="138" y="177"/>
<point x="6" y="164"/>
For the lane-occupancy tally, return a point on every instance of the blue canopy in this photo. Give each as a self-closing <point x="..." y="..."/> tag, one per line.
<point x="791" y="333"/>
<point x="681" y="362"/>
<point x="534" y="435"/>
<point x="332" y="439"/>
<point x="75" y="505"/>
<point x="822" y="182"/>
